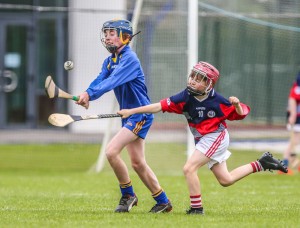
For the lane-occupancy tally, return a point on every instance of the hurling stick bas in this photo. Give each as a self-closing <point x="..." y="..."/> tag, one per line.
<point x="61" y="120"/>
<point x="53" y="91"/>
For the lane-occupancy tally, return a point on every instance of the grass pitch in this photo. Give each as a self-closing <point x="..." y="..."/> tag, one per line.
<point x="50" y="186"/>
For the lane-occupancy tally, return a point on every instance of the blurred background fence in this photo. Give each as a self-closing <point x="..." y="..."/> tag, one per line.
<point x="254" y="44"/>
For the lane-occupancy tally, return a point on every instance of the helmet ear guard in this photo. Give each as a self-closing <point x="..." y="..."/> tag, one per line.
<point x="129" y="37"/>
<point x="121" y="36"/>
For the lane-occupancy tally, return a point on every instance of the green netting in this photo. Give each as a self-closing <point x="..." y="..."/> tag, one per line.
<point x="254" y="44"/>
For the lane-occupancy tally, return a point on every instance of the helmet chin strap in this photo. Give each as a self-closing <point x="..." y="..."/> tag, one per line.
<point x="195" y="92"/>
<point x="112" y="48"/>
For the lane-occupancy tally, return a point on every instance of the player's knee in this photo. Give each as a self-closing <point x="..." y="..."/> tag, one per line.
<point x="226" y="182"/>
<point x="111" y="152"/>
<point x="187" y="170"/>
<point x="138" y="165"/>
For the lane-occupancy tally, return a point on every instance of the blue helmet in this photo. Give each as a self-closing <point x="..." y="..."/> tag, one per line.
<point x="121" y="26"/>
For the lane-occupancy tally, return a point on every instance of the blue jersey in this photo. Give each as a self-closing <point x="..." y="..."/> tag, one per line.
<point x="122" y="73"/>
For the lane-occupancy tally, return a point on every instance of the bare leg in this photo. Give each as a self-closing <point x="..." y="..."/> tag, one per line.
<point x="135" y="147"/>
<point x="136" y="151"/>
<point x="227" y="178"/>
<point x="190" y="171"/>
<point x="113" y="150"/>
<point x="293" y="142"/>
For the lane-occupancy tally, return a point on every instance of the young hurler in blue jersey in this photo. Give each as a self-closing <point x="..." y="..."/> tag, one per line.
<point x="206" y="112"/>
<point x="122" y="72"/>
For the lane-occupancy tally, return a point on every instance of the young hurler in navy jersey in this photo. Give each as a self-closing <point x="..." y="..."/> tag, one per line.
<point x="122" y="72"/>
<point x="293" y="125"/>
<point x="206" y="112"/>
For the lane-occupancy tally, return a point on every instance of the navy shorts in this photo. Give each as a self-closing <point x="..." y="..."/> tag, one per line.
<point x="139" y="124"/>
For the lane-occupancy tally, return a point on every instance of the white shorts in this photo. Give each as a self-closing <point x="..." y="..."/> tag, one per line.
<point x="214" y="146"/>
<point x="296" y="127"/>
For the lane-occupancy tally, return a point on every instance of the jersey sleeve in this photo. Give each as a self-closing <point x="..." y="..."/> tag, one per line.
<point x="295" y="92"/>
<point x="174" y="104"/>
<point x="102" y="75"/>
<point x="125" y="71"/>
<point x="231" y="114"/>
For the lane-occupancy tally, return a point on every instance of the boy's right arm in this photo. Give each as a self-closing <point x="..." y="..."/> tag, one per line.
<point x="84" y="100"/>
<point x="152" y="108"/>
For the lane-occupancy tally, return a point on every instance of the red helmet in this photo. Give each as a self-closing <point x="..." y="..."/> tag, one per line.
<point x="209" y="72"/>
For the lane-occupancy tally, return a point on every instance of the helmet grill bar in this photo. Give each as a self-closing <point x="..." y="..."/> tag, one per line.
<point x="204" y="77"/>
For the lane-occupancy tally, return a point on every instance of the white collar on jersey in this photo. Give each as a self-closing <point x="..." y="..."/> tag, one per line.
<point x="211" y="93"/>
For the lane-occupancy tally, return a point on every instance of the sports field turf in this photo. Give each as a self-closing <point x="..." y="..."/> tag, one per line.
<point x="50" y="186"/>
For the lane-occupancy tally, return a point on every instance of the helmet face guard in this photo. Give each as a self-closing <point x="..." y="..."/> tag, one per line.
<point x="199" y="77"/>
<point x="121" y="27"/>
<point x="203" y="72"/>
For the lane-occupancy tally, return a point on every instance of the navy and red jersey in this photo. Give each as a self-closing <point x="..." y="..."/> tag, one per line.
<point x="203" y="116"/>
<point x="295" y="94"/>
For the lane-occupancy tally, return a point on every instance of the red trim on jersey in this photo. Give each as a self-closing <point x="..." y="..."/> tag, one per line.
<point x="231" y="114"/>
<point x="208" y="126"/>
<point x="295" y="92"/>
<point x="168" y="106"/>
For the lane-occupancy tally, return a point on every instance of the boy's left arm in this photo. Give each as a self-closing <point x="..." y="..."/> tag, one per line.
<point x="237" y="105"/>
<point x="240" y="110"/>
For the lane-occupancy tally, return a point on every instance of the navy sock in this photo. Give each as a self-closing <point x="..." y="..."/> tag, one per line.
<point x="160" y="197"/>
<point x="127" y="189"/>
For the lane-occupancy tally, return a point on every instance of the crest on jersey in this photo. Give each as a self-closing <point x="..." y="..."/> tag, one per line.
<point x="211" y="114"/>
